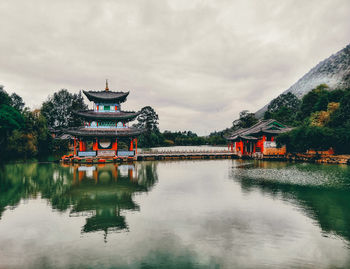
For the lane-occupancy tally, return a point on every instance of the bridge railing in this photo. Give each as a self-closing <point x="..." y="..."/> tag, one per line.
<point x="154" y="152"/>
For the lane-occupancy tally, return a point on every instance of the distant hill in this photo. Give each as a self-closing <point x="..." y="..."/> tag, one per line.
<point x="333" y="71"/>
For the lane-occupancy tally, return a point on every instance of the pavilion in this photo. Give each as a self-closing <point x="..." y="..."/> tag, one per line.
<point x="104" y="126"/>
<point x="258" y="139"/>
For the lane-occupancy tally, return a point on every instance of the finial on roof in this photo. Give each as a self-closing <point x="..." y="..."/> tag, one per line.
<point x="107" y="89"/>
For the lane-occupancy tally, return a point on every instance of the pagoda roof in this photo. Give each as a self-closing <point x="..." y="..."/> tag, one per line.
<point x="123" y="115"/>
<point x="104" y="223"/>
<point x="104" y="132"/>
<point x="106" y="96"/>
<point x="270" y="126"/>
<point x="243" y="137"/>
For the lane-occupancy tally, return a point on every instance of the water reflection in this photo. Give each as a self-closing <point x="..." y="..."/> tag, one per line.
<point x="101" y="193"/>
<point x="321" y="191"/>
<point x="197" y="215"/>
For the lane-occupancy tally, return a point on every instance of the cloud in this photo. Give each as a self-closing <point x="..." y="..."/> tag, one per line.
<point x="207" y="59"/>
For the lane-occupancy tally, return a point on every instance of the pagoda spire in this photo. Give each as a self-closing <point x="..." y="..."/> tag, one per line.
<point x="107" y="89"/>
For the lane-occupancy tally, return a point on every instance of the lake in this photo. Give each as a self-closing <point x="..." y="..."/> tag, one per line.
<point x="175" y="214"/>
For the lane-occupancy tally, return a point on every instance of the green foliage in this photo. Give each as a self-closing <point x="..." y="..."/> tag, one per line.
<point x="283" y="109"/>
<point x="23" y="145"/>
<point x="341" y="116"/>
<point x="59" y="109"/>
<point x="342" y="139"/>
<point x="286" y="100"/>
<point x="303" y="138"/>
<point x="318" y="100"/>
<point x="150" y="139"/>
<point x="148" y="119"/>
<point x="325" y="117"/>
<point x="4" y="97"/>
<point x="17" y="102"/>
<point x="10" y="121"/>
<point x="23" y="133"/>
<point x="245" y="120"/>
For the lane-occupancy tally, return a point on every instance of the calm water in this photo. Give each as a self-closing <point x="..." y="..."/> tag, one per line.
<point x="184" y="214"/>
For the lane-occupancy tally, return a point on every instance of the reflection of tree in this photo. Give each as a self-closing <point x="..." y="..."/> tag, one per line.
<point x="147" y="175"/>
<point x="328" y="203"/>
<point x="23" y="181"/>
<point x="101" y="192"/>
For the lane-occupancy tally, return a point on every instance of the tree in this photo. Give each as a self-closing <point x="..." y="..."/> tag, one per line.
<point x="59" y="109"/>
<point x="313" y="101"/>
<point x="148" y="119"/>
<point x="287" y="100"/>
<point x="10" y="120"/>
<point x="341" y="116"/>
<point x="4" y="97"/>
<point x="283" y="108"/>
<point x="17" y="102"/>
<point x="307" y="137"/>
<point x="246" y="119"/>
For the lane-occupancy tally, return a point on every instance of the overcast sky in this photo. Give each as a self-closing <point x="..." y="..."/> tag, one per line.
<point x="197" y="63"/>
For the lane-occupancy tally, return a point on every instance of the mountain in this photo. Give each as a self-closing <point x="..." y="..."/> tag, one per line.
<point x="333" y="71"/>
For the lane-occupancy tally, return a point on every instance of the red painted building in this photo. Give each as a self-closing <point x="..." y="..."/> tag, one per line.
<point x="258" y="139"/>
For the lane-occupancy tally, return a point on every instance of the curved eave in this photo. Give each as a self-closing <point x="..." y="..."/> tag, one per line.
<point x="241" y="138"/>
<point x="99" y="132"/>
<point x="90" y="114"/>
<point x="271" y="131"/>
<point x="106" y="96"/>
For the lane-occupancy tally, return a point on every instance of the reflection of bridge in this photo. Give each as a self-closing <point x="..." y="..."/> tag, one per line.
<point x="102" y="171"/>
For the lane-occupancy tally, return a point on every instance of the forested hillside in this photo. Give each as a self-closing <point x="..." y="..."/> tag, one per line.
<point x="333" y="71"/>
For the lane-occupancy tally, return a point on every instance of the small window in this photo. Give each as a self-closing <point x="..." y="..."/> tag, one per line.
<point x="107" y="108"/>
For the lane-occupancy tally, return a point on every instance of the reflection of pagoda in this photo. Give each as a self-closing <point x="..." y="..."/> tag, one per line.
<point x="104" y="126"/>
<point x="103" y="193"/>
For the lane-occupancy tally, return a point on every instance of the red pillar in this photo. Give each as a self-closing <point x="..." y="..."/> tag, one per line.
<point x="115" y="145"/>
<point x="136" y="145"/>
<point x="231" y="146"/>
<point x="262" y="144"/>
<point x="241" y="146"/>
<point x="95" y="145"/>
<point x="131" y="145"/>
<point x="80" y="145"/>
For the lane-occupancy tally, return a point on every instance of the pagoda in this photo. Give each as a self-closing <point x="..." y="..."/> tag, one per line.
<point x="104" y="126"/>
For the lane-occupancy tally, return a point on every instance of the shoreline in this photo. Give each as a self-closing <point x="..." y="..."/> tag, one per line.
<point x="309" y="158"/>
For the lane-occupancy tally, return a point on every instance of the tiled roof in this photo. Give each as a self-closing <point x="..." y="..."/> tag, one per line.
<point x="270" y="126"/>
<point x="123" y="115"/>
<point x="107" y="132"/>
<point x="106" y="96"/>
